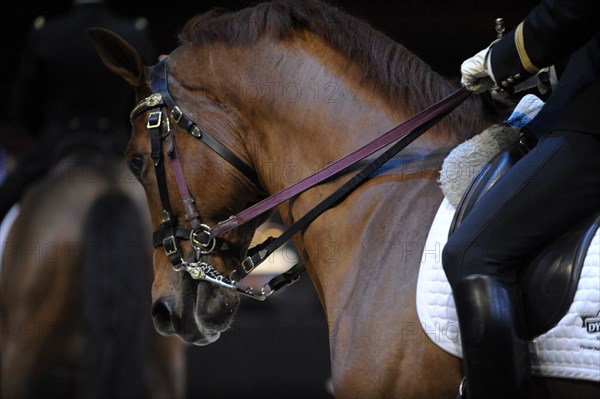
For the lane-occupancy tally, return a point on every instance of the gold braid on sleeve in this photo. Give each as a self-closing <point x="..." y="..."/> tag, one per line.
<point x="523" y="56"/>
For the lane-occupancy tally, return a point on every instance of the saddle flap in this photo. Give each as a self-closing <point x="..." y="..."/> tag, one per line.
<point x="550" y="281"/>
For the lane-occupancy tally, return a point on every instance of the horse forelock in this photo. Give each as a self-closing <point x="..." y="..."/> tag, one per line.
<point x="401" y="77"/>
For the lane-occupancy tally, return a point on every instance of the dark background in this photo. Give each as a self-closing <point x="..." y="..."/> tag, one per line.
<point x="279" y="348"/>
<point x="442" y="32"/>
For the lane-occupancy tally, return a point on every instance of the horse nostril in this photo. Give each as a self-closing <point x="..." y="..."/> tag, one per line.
<point x="229" y="307"/>
<point x="215" y="307"/>
<point x="162" y="317"/>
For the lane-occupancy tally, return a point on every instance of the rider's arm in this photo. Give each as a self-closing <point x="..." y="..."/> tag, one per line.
<point x="552" y="30"/>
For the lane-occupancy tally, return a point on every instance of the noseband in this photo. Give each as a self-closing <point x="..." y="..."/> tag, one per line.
<point x="205" y="240"/>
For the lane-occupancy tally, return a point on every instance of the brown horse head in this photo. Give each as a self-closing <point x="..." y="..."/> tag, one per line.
<point x="196" y="311"/>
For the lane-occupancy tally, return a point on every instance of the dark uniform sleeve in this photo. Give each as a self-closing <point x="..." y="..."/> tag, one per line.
<point x="552" y="31"/>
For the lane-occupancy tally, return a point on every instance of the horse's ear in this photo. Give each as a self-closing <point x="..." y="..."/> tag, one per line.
<point x="120" y="57"/>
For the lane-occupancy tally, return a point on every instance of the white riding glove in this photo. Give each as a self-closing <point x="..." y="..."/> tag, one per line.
<point x="476" y="72"/>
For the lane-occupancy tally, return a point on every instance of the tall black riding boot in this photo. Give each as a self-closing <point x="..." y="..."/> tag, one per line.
<point x="494" y="342"/>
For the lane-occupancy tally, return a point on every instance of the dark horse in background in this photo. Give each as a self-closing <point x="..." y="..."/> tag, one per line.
<point x="74" y="282"/>
<point x="291" y="87"/>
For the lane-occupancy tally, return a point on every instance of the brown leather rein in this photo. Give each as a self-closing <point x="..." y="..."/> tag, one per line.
<point x="206" y="240"/>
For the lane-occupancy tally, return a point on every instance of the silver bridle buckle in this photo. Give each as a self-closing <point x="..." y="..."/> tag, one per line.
<point x="154" y="120"/>
<point x="202" y="248"/>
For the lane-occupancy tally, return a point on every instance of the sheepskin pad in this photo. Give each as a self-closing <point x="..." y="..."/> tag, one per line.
<point x="464" y="162"/>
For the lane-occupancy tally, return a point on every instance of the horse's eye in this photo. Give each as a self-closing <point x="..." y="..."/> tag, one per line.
<point x="136" y="164"/>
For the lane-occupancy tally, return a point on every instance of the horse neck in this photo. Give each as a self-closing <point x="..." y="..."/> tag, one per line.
<point x="318" y="113"/>
<point x="302" y="105"/>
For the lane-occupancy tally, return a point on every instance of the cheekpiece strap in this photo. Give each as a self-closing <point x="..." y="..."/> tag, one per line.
<point x="159" y="82"/>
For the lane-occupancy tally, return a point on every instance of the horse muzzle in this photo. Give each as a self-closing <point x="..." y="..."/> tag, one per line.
<point x="197" y="314"/>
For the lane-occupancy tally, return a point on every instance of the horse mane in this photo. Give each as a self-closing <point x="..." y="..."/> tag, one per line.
<point x="399" y="75"/>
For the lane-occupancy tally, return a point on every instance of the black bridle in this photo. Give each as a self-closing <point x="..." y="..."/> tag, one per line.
<point x="168" y="235"/>
<point x="205" y="240"/>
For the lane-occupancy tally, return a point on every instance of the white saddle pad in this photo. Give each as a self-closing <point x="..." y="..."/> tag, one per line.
<point x="569" y="350"/>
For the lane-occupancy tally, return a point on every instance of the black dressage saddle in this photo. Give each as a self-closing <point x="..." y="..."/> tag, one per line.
<point x="549" y="283"/>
